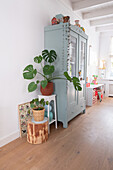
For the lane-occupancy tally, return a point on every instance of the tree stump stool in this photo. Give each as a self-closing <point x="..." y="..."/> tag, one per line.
<point x="37" y="132"/>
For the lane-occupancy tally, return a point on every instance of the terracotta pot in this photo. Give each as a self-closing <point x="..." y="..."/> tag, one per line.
<point x="48" y="89"/>
<point x="38" y="114"/>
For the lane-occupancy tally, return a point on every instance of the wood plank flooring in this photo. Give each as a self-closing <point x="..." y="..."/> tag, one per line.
<point x="87" y="144"/>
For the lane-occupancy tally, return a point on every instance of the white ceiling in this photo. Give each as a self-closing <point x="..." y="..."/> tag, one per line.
<point x="98" y="12"/>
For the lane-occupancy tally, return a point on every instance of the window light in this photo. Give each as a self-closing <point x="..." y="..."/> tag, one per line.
<point x="111" y="47"/>
<point x="102" y="64"/>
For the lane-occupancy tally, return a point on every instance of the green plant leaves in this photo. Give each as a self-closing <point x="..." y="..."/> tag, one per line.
<point x="75" y="80"/>
<point x="53" y="55"/>
<point x="35" y="103"/>
<point x="47" y="70"/>
<point x="29" y="68"/>
<point x="67" y="76"/>
<point x="42" y="102"/>
<point x="38" y="59"/>
<point x="44" y="83"/>
<point x="49" y="57"/>
<point x="37" y="81"/>
<point x="79" y="88"/>
<point x="28" y="75"/>
<point x="29" y="72"/>
<point x="77" y="84"/>
<point x="32" y="87"/>
<point x="47" y="102"/>
<point x="32" y="105"/>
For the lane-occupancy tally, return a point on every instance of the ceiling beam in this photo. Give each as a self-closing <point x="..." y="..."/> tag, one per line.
<point x="104" y="28"/>
<point x="87" y="3"/>
<point x="103" y="21"/>
<point x="98" y="12"/>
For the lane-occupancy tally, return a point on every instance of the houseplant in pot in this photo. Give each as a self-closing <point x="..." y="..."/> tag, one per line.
<point x="38" y="108"/>
<point x="46" y="61"/>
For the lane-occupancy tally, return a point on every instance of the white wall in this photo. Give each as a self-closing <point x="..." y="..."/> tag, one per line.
<point x="21" y="39"/>
<point x="104" y="53"/>
<point x="94" y="53"/>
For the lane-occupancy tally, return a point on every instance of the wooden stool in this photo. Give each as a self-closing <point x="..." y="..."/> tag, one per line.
<point x="37" y="132"/>
<point x="49" y="99"/>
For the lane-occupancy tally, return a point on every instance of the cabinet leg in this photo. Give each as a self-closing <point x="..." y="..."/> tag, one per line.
<point x="65" y="124"/>
<point x="84" y="111"/>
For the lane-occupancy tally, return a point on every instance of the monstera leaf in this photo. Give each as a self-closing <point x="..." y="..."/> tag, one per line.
<point x="38" y="59"/>
<point x="67" y="76"/>
<point x="29" y="72"/>
<point x="77" y="84"/>
<point x="49" y="57"/>
<point x="48" y="69"/>
<point x="75" y="80"/>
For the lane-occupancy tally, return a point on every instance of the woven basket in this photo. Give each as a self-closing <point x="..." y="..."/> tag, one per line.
<point x="38" y="114"/>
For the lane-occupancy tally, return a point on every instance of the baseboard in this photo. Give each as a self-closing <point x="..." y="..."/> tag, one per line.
<point x="9" y="138"/>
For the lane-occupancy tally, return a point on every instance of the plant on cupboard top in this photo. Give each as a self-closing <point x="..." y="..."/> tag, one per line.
<point x="47" y="72"/>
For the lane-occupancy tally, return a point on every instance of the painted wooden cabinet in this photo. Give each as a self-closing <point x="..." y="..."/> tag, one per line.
<point x="70" y="44"/>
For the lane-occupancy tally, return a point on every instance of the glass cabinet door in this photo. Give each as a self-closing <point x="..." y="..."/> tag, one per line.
<point x="82" y="65"/>
<point x="73" y="52"/>
<point x="82" y="61"/>
<point x="73" y="68"/>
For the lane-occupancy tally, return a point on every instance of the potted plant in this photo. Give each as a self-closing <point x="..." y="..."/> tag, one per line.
<point x="38" y="108"/>
<point x="47" y="73"/>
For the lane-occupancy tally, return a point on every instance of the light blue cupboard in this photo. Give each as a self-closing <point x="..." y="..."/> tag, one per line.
<point x="70" y="44"/>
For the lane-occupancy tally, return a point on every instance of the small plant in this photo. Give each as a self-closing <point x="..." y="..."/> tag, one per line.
<point x="38" y="105"/>
<point x="47" y="72"/>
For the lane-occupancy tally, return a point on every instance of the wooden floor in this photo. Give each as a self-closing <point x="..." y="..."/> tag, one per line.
<point x="87" y="144"/>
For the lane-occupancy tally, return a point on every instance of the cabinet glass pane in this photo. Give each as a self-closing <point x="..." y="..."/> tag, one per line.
<point x="73" y="53"/>
<point x="72" y="93"/>
<point x="82" y="61"/>
<point x="82" y="67"/>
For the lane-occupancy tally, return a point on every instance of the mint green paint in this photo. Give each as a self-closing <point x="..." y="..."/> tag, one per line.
<point x="69" y="102"/>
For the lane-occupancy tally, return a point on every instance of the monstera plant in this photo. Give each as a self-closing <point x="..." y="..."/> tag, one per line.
<point x="46" y="61"/>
